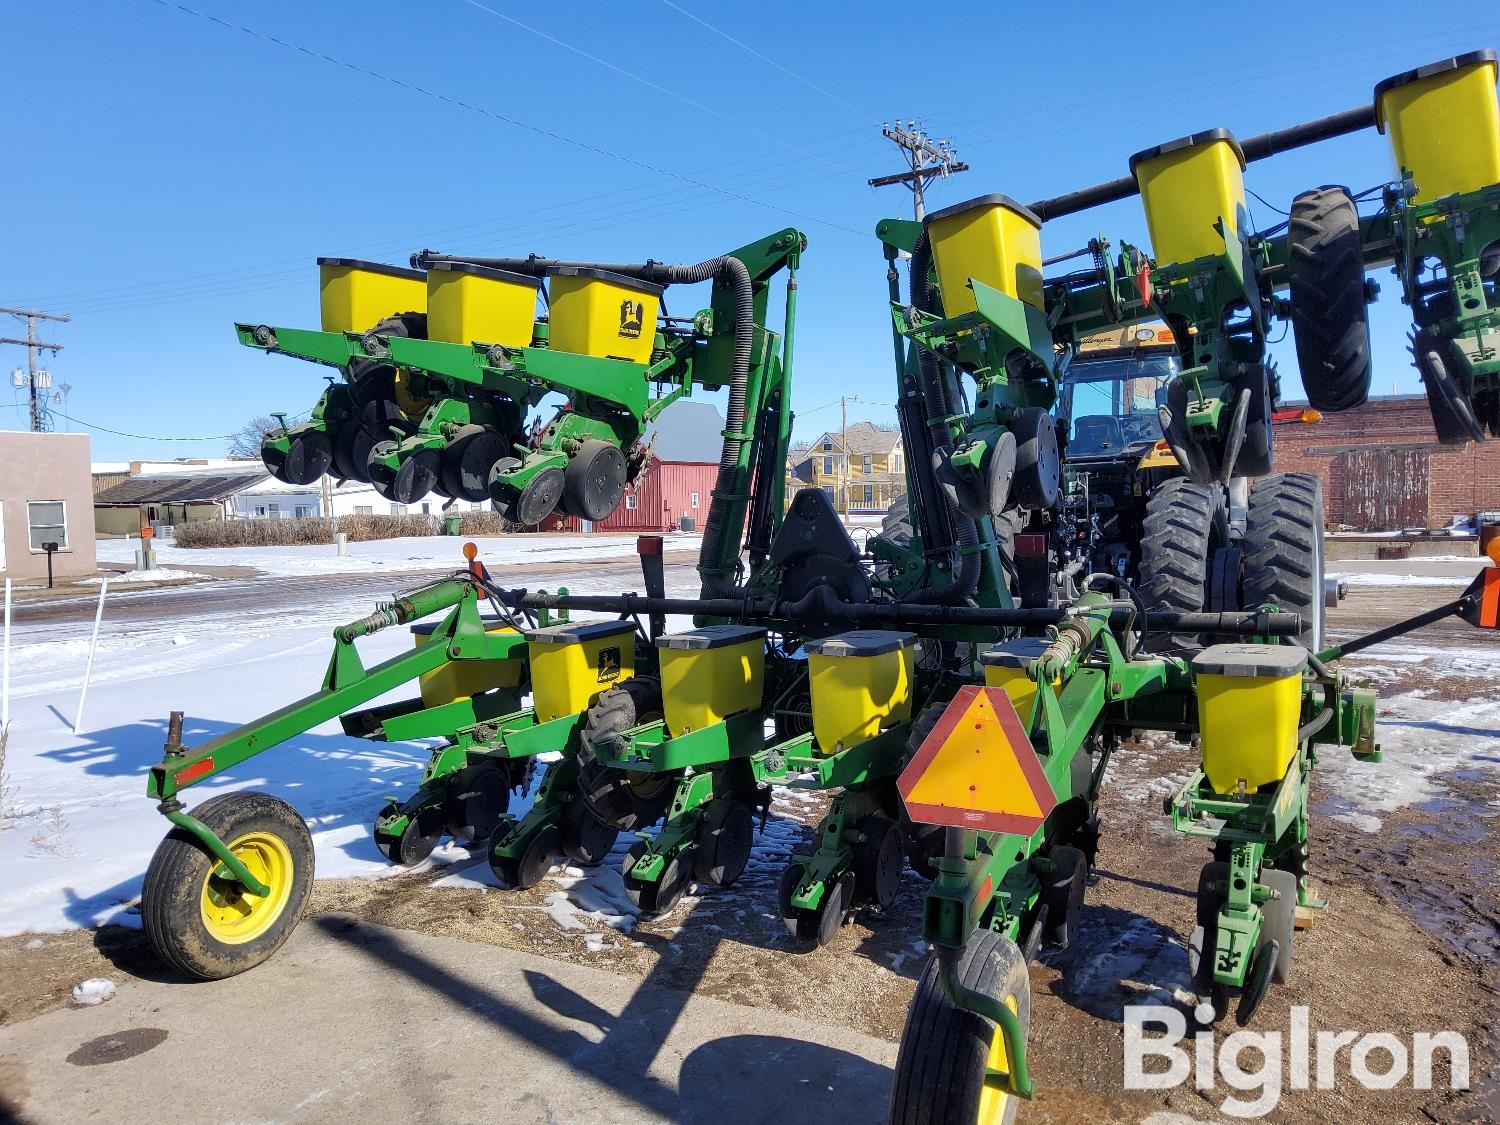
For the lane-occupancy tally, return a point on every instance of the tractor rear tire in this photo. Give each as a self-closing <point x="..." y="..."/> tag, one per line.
<point x="1330" y="315"/>
<point x="626" y="800"/>
<point x="946" y="1050"/>
<point x="1182" y="529"/>
<point x="1283" y="550"/>
<point x="208" y="926"/>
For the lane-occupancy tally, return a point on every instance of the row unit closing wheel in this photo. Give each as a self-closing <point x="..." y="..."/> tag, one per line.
<point x="949" y="1068"/>
<point x="1272" y="959"/>
<point x="822" y="924"/>
<point x="200" y="919"/>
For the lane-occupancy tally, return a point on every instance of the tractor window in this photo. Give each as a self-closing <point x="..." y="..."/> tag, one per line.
<point x="1111" y="402"/>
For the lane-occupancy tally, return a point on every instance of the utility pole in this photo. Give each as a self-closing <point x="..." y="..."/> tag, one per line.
<point x="926" y="159"/>
<point x="32" y="346"/>
<point x="844" y="454"/>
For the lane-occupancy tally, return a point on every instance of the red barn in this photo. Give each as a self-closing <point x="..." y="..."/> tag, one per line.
<point x="678" y="483"/>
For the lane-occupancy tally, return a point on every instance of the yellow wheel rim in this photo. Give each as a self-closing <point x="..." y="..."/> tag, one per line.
<point x="231" y="914"/>
<point x="994" y="1100"/>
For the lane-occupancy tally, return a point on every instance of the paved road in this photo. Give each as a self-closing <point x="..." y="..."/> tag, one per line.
<point x="416" y="1028"/>
<point x="264" y="594"/>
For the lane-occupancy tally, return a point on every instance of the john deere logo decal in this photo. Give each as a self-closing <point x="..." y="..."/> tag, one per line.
<point x="609" y="665"/>
<point x="632" y="314"/>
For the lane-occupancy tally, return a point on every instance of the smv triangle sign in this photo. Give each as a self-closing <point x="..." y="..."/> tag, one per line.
<point x="977" y="769"/>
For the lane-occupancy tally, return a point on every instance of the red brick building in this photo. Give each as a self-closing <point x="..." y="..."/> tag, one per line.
<point x="1383" y="469"/>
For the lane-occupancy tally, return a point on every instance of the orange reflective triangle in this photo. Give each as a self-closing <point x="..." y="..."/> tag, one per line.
<point x="977" y="769"/>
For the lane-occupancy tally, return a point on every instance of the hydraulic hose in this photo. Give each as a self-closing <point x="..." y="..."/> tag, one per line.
<point x="948" y="530"/>
<point x="725" y="268"/>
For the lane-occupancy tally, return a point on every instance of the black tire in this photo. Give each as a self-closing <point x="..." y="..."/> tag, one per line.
<point x="1278" y="919"/>
<point x="623" y="799"/>
<point x="940" y="1069"/>
<point x="467" y="463"/>
<point x="924" y="842"/>
<point x="188" y="912"/>
<point x="1182" y="528"/>
<point x="1037" y="482"/>
<point x="582" y="836"/>
<point x="1330" y="316"/>
<point x="594" y="481"/>
<point x="897" y="525"/>
<point x="723" y="842"/>
<point x="1062" y="894"/>
<point x="1452" y="413"/>
<point x="878" y="859"/>
<point x="1283" y="550"/>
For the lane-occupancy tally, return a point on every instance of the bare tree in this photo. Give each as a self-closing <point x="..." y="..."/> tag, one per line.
<point x="245" y="444"/>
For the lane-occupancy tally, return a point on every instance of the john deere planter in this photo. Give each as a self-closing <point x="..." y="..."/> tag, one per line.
<point x="958" y="684"/>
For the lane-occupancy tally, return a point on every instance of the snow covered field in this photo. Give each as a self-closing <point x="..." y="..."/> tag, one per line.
<point x="432" y="552"/>
<point x="77" y="830"/>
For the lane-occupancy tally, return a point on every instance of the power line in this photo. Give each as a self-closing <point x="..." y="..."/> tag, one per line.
<point x="516" y="123"/>
<point x="650" y="85"/>
<point x="149" y="437"/>
<point x="767" y="59"/>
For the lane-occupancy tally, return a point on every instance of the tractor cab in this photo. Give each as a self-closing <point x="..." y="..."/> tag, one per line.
<point x="1112" y="390"/>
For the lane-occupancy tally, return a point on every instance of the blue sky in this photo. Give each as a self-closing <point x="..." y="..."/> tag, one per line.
<point x="173" y="175"/>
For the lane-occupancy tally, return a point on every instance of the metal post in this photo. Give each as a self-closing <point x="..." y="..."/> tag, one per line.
<point x="88" y="671"/>
<point x="5" y="665"/>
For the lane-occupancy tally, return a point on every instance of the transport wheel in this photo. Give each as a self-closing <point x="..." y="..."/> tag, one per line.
<point x="584" y="838"/>
<point x="594" y="480"/>
<point x="628" y="800"/>
<point x="924" y="842"/>
<point x="476" y="800"/>
<point x="660" y="896"/>
<point x="527" y="869"/>
<point x="202" y="921"/>
<point x="1330" y="315"/>
<point x="835" y="907"/>
<point x="1062" y="893"/>
<point x="1184" y="526"/>
<point x="947" y="1053"/>
<point x="467" y="463"/>
<point x="722" y="846"/>
<point x="539" y="498"/>
<point x="1452" y="414"/>
<point x="878" y="858"/>
<point x="1037" y="481"/>
<point x="801" y="924"/>
<point x="1283" y="550"/>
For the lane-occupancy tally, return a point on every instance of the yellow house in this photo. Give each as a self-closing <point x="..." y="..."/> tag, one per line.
<point x="862" y="468"/>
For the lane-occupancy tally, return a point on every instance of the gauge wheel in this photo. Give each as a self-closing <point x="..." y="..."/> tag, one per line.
<point x="202" y="921"/>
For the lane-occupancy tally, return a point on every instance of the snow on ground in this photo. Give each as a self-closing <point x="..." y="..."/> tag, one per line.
<point x="433" y="552"/>
<point x="1443" y="570"/>
<point x="146" y="578"/>
<point x="77" y="830"/>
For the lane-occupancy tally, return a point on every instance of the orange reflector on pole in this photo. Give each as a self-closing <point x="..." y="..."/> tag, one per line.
<point x="977" y="769"/>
